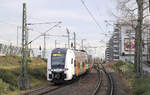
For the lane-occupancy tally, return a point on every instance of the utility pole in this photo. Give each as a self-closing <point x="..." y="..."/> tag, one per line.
<point x="68" y="38"/>
<point x="17" y="34"/>
<point x="44" y="51"/>
<point x="23" y="78"/>
<point x="82" y="43"/>
<point x="65" y="45"/>
<point x="74" y="40"/>
<point x="55" y="43"/>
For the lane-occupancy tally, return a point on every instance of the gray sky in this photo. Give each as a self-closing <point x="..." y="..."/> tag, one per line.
<point x="71" y="12"/>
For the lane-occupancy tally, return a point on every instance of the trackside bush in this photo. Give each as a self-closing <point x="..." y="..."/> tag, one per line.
<point x="4" y="87"/>
<point x="38" y="72"/>
<point x="141" y="86"/>
<point x="8" y="77"/>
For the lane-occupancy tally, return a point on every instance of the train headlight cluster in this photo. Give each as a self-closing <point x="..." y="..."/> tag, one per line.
<point x="51" y="70"/>
<point x="65" y="69"/>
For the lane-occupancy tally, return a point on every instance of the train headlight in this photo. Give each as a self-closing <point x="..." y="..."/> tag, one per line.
<point x="51" y="70"/>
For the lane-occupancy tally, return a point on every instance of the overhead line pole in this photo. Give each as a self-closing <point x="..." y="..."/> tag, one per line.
<point x="74" y="40"/>
<point x="23" y="81"/>
<point x="55" y="43"/>
<point x="68" y="37"/>
<point x="44" y="51"/>
<point x="82" y="44"/>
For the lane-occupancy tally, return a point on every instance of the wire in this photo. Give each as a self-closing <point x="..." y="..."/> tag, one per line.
<point x="44" y="33"/>
<point x="90" y="13"/>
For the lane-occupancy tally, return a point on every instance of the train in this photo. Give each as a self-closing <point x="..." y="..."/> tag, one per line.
<point x="66" y="64"/>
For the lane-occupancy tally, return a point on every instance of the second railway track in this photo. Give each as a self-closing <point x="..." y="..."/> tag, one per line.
<point x="103" y="76"/>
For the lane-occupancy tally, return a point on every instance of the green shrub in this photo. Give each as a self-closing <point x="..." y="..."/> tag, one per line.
<point x="4" y="87"/>
<point x="9" y="77"/>
<point x="119" y="63"/>
<point x="141" y="86"/>
<point x="38" y="72"/>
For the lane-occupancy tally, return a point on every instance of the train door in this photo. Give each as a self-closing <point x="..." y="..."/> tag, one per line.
<point x="77" y="66"/>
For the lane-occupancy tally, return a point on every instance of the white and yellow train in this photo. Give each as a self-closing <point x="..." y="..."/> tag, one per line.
<point x="66" y="64"/>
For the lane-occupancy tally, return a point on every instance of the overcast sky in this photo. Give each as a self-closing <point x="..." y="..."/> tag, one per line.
<point x="71" y="12"/>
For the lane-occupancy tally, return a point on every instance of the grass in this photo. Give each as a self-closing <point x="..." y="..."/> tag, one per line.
<point x="140" y="86"/>
<point x="10" y="69"/>
<point x="4" y="87"/>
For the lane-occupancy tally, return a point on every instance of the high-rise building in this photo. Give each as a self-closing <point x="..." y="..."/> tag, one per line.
<point x="121" y="45"/>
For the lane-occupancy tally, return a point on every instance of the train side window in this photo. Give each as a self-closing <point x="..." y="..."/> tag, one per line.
<point x="72" y="61"/>
<point x="83" y="64"/>
<point x="75" y="63"/>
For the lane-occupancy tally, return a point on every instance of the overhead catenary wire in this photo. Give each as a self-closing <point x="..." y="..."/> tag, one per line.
<point x="92" y="16"/>
<point x="44" y="32"/>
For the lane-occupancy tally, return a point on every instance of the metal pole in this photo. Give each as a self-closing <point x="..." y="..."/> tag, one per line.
<point x="68" y="37"/>
<point x="130" y="44"/>
<point x="23" y="38"/>
<point x="82" y="44"/>
<point x="74" y="40"/>
<point x="44" y="45"/>
<point x="23" y="80"/>
<point x="55" y="43"/>
<point x="65" y="45"/>
<point x="17" y="34"/>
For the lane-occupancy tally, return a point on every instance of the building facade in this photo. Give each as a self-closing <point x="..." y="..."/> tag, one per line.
<point x="121" y="45"/>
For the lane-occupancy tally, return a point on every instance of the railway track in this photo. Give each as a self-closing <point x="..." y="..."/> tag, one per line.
<point x="110" y="88"/>
<point x="100" y="75"/>
<point x="43" y="90"/>
<point x="103" y="76"/>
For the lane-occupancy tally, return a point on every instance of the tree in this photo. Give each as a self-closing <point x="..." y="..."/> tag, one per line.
<point x="131" y="11"/>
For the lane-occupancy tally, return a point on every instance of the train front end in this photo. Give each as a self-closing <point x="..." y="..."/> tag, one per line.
<point x="56" y="69"/>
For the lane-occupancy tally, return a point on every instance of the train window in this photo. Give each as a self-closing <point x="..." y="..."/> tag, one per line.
<point x="75" y="63"/>
<point x="72" y="61"/>
<point x="83" y="64"/>
<point x="86" y="61"/>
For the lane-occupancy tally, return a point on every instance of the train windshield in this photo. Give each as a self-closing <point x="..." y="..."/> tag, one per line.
<point x="58" y="61"/>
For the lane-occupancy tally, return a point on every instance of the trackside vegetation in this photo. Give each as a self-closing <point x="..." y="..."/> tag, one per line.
<point x="10" y="69"/>
<point x="139" y="86"/>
